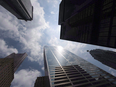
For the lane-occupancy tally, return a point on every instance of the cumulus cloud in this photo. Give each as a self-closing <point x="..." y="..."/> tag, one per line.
<point x="25" y="78"/>
<point x="28" y="34"/>
<point x="75" y="47"/>
<point x="53" y="41"/>
<point x="5" y="49"/>
<point x="38" y="18"/>
<point x="53" y="2"/>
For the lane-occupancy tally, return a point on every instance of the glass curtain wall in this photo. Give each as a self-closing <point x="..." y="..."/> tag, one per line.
<point x="66" y="69"/>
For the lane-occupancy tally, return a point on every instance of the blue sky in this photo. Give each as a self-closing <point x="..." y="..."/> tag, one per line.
<point x="20" y="36"/>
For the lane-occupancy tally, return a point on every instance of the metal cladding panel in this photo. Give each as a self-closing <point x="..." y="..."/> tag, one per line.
<point x="28" y="6"/>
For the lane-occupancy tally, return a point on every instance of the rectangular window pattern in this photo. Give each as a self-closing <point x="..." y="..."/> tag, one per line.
<point x="6" y="71"/>
<point x="77" y="73"/>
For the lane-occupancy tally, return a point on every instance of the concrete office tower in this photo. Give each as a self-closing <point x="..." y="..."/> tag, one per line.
<point x="6" y="71"/>
<point x="18" y="59"/>
<point x="104" y="56"/>
<point x="42" y="82"/>
<point x="8" y="66"/>
<point x="88" y="21"/>
<point x="65" y="69"/>
<point x="22" y="9"/>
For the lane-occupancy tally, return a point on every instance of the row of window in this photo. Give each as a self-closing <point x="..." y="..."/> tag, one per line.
<point x="114" y="21"/>
<point x="79" y="79"/>
<point x="107" y="6"/>
<point x="107" y="11"/>
<point x="83" y="14"/>
<point x="107" y="1"/>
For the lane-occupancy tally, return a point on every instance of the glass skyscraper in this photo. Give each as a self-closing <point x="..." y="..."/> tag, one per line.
<point x="88" y="21"/>
<point x="65" y="69"/>
<point x="104" y="56"/>
<point x="22" y="9"/>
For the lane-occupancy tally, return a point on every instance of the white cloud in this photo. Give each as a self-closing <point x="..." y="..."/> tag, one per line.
<point x="38" y="18"/>
<point x="5" y="50"/>
<point x="25" y="78"/>
<point x="54" y="3"/>
<point x="52" y="12"/>
<point x="27" y="33"/>
<point x="53" y="41"/>
<point x="42" y="68"/>
<point x="75" y="47"/>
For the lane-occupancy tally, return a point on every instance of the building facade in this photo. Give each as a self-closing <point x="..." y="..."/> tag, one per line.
<point x="18" y="59"/>
<point x="42" y="82"/>
<point x="89" y="21"/>
<point x="65" y="69"/>
<point x="104" y="56"/>
<point x="6" y="71"/>
<point x="8" y="66"/>
<point x="22" y="9"/>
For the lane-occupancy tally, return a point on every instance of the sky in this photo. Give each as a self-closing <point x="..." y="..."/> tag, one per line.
<point x="20" y="36"/>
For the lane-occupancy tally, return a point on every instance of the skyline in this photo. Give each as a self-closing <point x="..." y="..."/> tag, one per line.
<point x="30" y="37"/>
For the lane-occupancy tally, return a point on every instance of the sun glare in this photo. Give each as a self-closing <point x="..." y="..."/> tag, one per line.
<point x="60" y="48"/>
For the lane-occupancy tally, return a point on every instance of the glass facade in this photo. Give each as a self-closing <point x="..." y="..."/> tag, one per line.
<point x="22" y="9"/>
<point x="92" y="22"/>
<point x="66" y="69"/>
<point x="104" y="56"/>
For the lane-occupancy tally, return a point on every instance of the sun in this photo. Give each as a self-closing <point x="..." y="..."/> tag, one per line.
<point x="60" y="49"/>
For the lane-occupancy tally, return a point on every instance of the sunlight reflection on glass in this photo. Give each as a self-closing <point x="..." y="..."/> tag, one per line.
<point x="60" y="49"/>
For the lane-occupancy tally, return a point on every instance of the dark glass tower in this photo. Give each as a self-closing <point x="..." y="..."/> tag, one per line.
<point x="22" y="9"/>
<point x="104" y="56"/>
<point x="65" y="69"/>
<point x="88" y="21"/>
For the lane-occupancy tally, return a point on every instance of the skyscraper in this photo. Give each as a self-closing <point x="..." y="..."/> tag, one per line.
<point x="6" y="71"/>
<point x="104" y="56"/>
<point x="42" y="82"/>
<point x="22" y="9"/>
<point x="8" y="66"/>
<point x="65" y="69"/>
<point x="88" y="21"/>
<point x="18" y="59"/>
